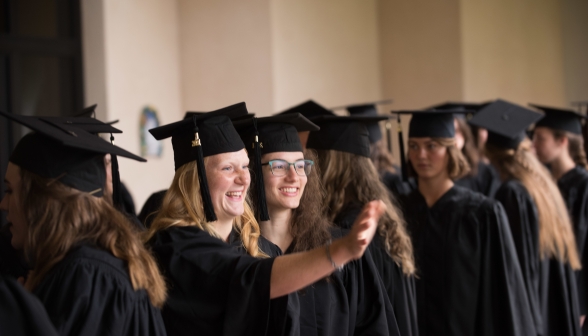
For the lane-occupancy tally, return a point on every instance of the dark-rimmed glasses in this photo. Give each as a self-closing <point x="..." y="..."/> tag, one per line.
<point x="281" y="167"/>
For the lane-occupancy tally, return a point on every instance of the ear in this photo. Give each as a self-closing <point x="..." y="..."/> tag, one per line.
<point x="562" y="142"/>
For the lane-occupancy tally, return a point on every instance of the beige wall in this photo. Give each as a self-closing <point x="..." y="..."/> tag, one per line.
<point x="326" y="50"/>
<point x="225" y="49"/>
<point x="513" y="49"/>
<point x="141" y="66"/>
<point x="575" y="47"/>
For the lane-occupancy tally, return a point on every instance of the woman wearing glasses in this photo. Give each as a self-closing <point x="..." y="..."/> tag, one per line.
<point x="350" y="301"/>
<point x="351" y="180"/>
<point x="213" y="289"/>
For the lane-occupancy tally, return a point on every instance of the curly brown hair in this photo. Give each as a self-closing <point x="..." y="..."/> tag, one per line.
<point x="60" y="217"/>
<point x="309" y="227"/>
<point x="353" y="178"/>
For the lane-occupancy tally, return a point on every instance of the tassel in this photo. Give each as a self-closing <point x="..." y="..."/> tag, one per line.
<point x="116" y="189"/>
<point x="403" y="162"/>
<point x="204" y="190"/>
<point x="585" y="134"/>
<point x="389" y="135"/>
<point x="261" y="212"/>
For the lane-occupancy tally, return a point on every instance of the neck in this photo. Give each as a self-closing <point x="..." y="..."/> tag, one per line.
<point x="224" y="228"/>
<point x="277" y="229"/>
<point x="433" y="188"/>
<point x="561" y="165"/>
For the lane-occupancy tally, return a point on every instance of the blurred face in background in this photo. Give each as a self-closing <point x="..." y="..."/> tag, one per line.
<point x="428" y="157"/>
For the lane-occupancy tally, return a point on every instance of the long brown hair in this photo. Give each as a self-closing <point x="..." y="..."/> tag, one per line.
<point x="556" y="238"/>
<point x="381" y="158"/>
<point x="469" y="150"/>
<point x="348" y="177"/>
<point x="309" y="227"/>
<point x="457" y="165"/>
<point x="60" y="217"/>
<point x="182" y="206"/>
<point x="575" y="147"/>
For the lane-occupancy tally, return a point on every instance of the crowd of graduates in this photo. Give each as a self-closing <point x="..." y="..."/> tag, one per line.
<point x="302" y="223"/>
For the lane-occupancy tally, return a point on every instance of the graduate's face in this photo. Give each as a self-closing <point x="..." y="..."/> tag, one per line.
<point x="11" y="204"/>
<point x="283" y="192"/>
<point x="459" y="139"/>
<point x="547" y="147"/>
<point x="428" y="158"/>
<point x="228" y="180"/>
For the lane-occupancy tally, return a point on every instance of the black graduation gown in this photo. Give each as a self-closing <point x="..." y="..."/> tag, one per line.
<point x="21" y="313"/>
<point x="399" y="287"/>
<point x="213" y="289"/>
<point x="469" y="280"/>
<point x="89" y="292"/>
<point x="550" y="284"/>
<point x="151" y="207"/>
<point x="397" y="185"/>
<point x="486" y="181"/>
<point x="573" y="186"/>
<point x="12" y="262"/>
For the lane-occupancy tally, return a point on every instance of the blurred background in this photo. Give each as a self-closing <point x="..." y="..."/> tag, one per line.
<point x="58" y="56"/>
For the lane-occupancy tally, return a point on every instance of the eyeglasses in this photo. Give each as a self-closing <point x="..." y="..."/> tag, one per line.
<point x="281" y="167"/>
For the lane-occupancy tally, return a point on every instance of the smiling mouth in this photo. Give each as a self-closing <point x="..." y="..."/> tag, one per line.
<point x="289" y="190"/>
<point x="234" y="194"/>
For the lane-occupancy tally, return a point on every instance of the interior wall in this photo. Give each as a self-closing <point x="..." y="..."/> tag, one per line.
<point x="225" y="50"/>
<point x="141" y="67"/>
<point x="575" y="48"/>
<point x="325" y="50"/>
<point x="513" y="49"/>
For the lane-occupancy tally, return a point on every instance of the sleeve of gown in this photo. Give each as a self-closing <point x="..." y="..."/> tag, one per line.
<point x="21" y="314"/>
<point x="503" y="307"/>
<point x="523" y="222"/>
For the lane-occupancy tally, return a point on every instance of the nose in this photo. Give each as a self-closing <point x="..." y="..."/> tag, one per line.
<point x="244" y="177"/>
<point x="292" y="175"/>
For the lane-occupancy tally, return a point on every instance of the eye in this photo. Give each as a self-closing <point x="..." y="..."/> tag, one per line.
<point x="432" y="146"/>
<point x="228" y="168"/>
<point x="245" y="167"/>
<point x="413" y="146"/>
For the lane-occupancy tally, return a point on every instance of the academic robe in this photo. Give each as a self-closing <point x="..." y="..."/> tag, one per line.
<point x="399" y="287"/>
<point x="89" y="292"/>
<point x="469" y="281"/>
<point x="486" y="181"/>
<point x="12" y="263"/>
<point x="151" y="207"/>
<point x="551" y="285"/>
<point x="573" y="186"/>
<point x="214" y="289"/>
<point x="396" y="185"/>
<point x="21" y="313"/>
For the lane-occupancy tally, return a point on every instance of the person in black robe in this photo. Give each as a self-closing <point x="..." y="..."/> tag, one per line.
<point x="215" y="289"/>
<point x="349" y="302"/>
<point x="469" y="281"/>
<point x="89" y="267"/>
<point x="21" y="313"/>
<point x="351" y="180"/>
<point x="559" y="143"/>
<point x="538" y="219"/>
<point x="151" y="207"/>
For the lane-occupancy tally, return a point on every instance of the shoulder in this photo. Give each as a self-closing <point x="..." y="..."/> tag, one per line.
<point x="475" y="203"/>
<point x="511" y="190"/>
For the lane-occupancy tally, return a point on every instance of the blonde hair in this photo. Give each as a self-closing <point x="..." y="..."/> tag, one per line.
<point x="60" y="217"/>
<point x="556" y="238"/>
<point x="348" y="177"/>
<point x="457" y="165"/>
<point x="182" y="206"/>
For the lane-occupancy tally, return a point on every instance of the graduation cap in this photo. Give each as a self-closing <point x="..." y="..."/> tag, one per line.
<point x="277" y="133"/>
<point x="189" y="114"/>
<point x="61" y="150"/>
<point x="345" y="134"/>
<point x="467" y="109"/>
<point x="310" y="109"/>
<point x="560" y="119"/>
<point x="426" y="124"/>
<point x="201" y="136"/>
<point x="367" y="109"/>
<point x="506" y="123"/>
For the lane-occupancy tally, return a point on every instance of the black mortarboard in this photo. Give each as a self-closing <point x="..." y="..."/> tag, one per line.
<point x="277" y="133"/>
<point x="200" y="136"/>
<point x="310" y="109"/>
<point x="560" y="119"/>
<point x="65" y="152"/>
<point x="506" y="123"/>
<point x="88" y="112"/>
<point x="345" y="134"/>
<point x="189" y="114"/>
<point x="367" y="109"/>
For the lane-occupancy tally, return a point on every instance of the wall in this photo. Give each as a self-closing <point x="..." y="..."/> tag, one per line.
<point x="326" y="50"/>
<point x="575" y="49"/>
<point x="225" y="48"/>
<point x="138" y="48"/>
<point x="513" y="49"/>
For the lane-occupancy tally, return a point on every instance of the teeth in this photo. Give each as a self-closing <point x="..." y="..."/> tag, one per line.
<point x="234" y="193"/>
<point x="289" y="190"/>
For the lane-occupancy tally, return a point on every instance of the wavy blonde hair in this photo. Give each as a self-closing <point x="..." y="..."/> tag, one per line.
<point x="353" y="178"/>
<point x="182" y="206"/>
<point x="60" y="217"/>
<point x="556" y="237"/>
